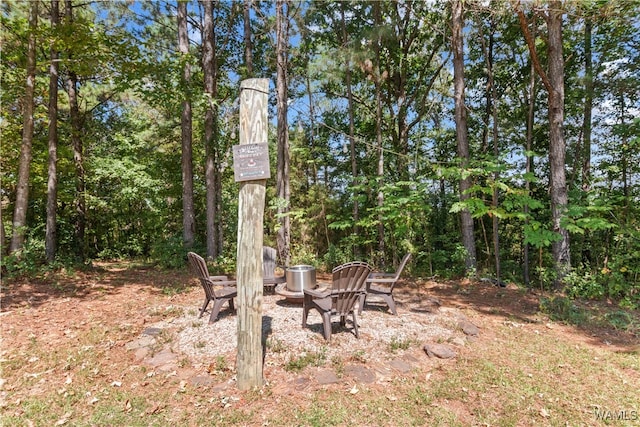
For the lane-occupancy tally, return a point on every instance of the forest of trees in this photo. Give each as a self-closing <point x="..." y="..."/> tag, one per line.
<point x="490" y="139"/>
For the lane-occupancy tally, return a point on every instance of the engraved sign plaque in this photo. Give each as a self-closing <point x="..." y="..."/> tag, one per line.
<point x="251" y="162"/>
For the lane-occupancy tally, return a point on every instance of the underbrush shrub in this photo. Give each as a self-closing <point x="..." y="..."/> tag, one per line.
<point x="563" y="309"/>
<point x="170" y="252"/>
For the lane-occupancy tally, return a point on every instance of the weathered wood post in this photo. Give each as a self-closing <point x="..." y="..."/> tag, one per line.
<point x="252" y="176"/>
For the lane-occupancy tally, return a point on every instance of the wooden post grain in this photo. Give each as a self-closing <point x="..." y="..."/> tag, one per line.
<point x="251" y="201"/>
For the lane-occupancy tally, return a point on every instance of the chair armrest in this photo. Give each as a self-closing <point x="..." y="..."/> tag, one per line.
<point x="222" y="277"/>
<point x="316" y="294"/>
<point x="222" y="282"/>
<point x="380" y="275"/>
<point x="391" y="279"/>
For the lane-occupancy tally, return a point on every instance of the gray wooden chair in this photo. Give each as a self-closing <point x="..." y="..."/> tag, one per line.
<point x="382" y="284"/>
<point x="218" y="289"/>
<point x="347" y="286"/>
<point x="269" y="264"/>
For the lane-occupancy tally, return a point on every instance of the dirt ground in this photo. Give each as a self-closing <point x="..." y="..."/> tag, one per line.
<point x="115" y="303"/>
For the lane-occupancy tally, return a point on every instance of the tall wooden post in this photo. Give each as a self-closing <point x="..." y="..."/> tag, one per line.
<point x="251" y="201"/>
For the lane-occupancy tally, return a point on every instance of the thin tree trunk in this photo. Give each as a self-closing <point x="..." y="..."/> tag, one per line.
<point x="466" y="221"/>
<point x="78" y="149"/>
<point x="554" y="83"/>
<point x="557" y="148"/>
<point x="248" y="45"/>
<point x="210" y="89"/>
<point x="282" y="176"/>
<point x="188" y="219"/>
<point x="22" y="193"/>
<point x="52" y="179"/>
<point x="379" y="139"/>
<point x="352" y="141"/>
<point x="529" y="159"/>
<point x="588" y="106"/>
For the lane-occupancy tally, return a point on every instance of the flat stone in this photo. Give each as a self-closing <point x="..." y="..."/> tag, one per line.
<point x="152" y="332"/>
<point x="401" y="365"/>
<point x="360" y="373"/>
<point x="201" y="380"/>
<point x="326" y="377"/>
<point x="301" y="383"/>
<point x="141" y="353"/>
<point x="440" y="351"/>
<point x="144" y="341"/>
<point x="162" y="358"/>
<point x="469" y="328"/>
<point x="458" y="341"/>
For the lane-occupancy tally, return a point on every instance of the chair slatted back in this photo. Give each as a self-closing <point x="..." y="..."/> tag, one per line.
<point x="403" y="263"/>
<point x="199" y="267"/>
<point x="269" y="256"/>
<point x="348" y="284"/>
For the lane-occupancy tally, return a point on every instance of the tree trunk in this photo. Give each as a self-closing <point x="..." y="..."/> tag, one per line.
<point x="557" y="145"/>
<point x="531" y="96"/>
<point x="210" y="125"/>
<point x="188" y="219"/>
<point x="22" y="193"/>
<point x="50" y="244"/>
<point x="554" y="84"/>
<point x="282" y="174"/>
<point x="78" y="148"/>
<point x="379" y="139"/>
<point x="248" y="45"/>
<point x="588" y="106"/>
<point x="462" y="134"/>
<point x="352" y="141"/>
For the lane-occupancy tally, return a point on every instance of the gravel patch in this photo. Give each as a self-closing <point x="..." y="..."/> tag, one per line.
<point x="380" y="332"/>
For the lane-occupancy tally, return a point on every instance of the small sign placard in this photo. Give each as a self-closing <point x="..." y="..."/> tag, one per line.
<point x="251" y="162"/>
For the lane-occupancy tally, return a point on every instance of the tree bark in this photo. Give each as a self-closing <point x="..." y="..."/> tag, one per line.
<point x="210" y="126"/>
<point x="352" y="141"/>
<point x="78" y="148"/>
<point x="50" y="244"/>
<point x="379" y="139"/>
<point x="22" y="193"/>
<point x="531" y="96"/>
<point x="282" y="175"/>
<point x="462" y="138"/>
<point x="554" y="83"/>
<point x="188" y="218"/>
<point x="557" y="145"/>
<point x="588" y="105"/>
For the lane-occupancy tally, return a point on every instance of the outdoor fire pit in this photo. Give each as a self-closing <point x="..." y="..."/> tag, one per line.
<point x="299" y="278"/>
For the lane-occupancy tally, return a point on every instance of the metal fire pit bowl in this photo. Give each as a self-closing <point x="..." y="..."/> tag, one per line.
<point x="300" y="277"/>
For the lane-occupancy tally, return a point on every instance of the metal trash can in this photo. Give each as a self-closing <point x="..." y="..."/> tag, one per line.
<point x="301" y="277"/>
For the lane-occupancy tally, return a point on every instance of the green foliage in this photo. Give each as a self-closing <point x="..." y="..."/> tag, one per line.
<point x="563" y="309"/>
<point x="169" y="252"/>
<point x="298" y="363"/>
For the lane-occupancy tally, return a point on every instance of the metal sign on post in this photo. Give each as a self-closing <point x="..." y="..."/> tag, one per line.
<point x="251" y="162"/>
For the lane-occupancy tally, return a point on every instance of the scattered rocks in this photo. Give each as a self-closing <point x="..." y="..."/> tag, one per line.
<point x="360" y="373"/>
<point x="440" y="351"/>
<point x="469" y="328"/>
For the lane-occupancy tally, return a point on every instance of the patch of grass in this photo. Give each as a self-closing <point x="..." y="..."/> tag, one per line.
<point x="359" y="356"/>
<point x="399" y="344"/>
<point x="296" y="364"/>
<point x="276" y="345"/>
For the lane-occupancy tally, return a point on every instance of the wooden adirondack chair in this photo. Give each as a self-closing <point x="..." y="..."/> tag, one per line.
<point x="382" y="284"/>
<point x="347" y="286"/>
<point x="269" y="278"/>
<point x="218" y="289"/>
